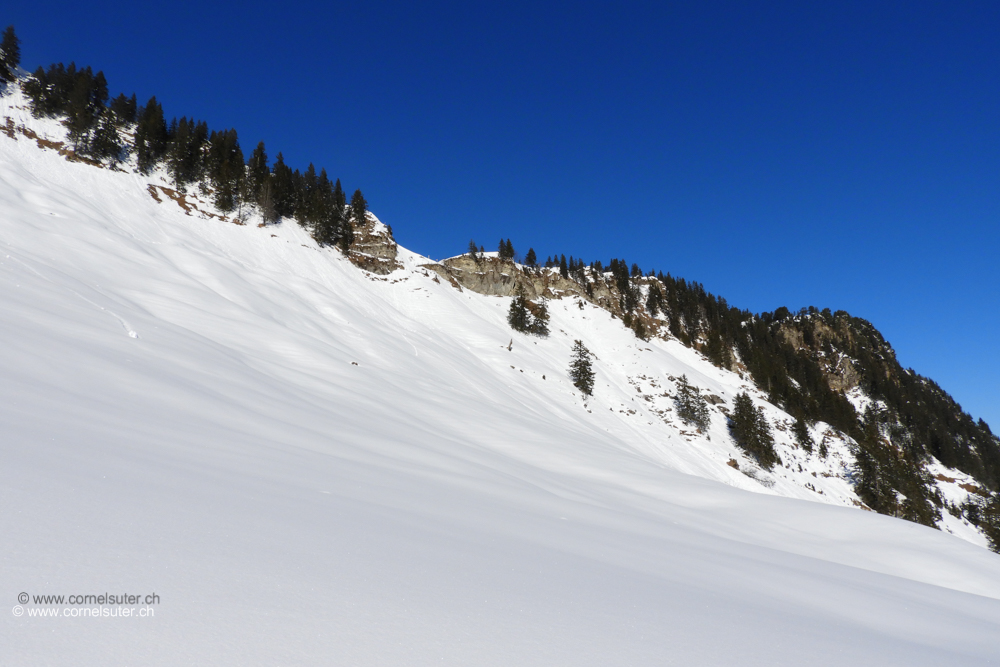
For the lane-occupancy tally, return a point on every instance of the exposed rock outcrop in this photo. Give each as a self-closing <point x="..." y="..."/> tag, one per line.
<point x="374" y="248"/>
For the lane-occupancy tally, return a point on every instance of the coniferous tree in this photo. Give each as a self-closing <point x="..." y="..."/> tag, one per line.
<point x="563" y="267"/>
<point x="345" y="233"/>
<point x="83" y="108"/>
<point x="801" y="432"/>
<point x="265" y="200"/>
<point x="639" y="328"/>
<point x="10" y="55"/>
<point x="226" y="168"/>
<point x="359" y="217"/>
<point x="531" y="259"/>
<point x="473" y="251"/>
<point x="752" y="432"/>
<point x="258" y="173"/>
<point x="283" y="182"/>
<point x="185" y="151"/>
<point x="654" y="301"/>
<point x="581" y="371"/>
<point x="691" y="406"/>
<point x="518" y="316"/>
<point x="125" y="109"/>
<point x="304" y="190"/>
<point x="327" y="223"/>
<point x="540" y="319"/>
<point x="527" y="317"/>
<point x="105" y="142"/>
<point x="989" y="521"/>
<point x="359" y="208"/>
<point x="150" y="136"/>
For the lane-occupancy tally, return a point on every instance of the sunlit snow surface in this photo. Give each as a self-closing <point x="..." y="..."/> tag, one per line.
<point x="310" y="465"/>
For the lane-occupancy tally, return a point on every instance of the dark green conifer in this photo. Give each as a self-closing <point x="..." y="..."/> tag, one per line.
<point x="125" y="109"/>
<point x="105" y="144"/>
<point x="283" y="183"/>
<point x="345" y="233"/>
<point x="531" y="259"/>
<point x="527" y="317"/>
<point x="518" y="316"/>
<point x="751" y="431"/>
<point x="691" y="406"/>
<point x="581" y="370"/>
<point x="10" y="55"/>
<point x="150" y="136"/>
<point x="540" y="319"/>
<point x="989" y="521"/>
<point x="258" y="173"/>
<point x="802" y="437"/>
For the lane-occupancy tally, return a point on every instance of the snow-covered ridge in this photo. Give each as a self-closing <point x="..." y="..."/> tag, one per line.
<point x="240" y="381"/>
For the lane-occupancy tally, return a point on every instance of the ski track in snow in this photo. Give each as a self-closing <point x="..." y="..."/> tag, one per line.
<point x="312" y="465"/>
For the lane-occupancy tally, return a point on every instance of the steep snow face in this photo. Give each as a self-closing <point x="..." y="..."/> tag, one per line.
<point x="310" y="464"/>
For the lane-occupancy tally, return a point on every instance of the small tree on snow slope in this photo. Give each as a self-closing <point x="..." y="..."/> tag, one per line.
<point x="691" y="406"/>
<point x="581" y="371"/>
<point x="752" y="432"/>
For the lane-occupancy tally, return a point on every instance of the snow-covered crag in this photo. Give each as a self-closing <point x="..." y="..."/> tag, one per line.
<point x="314" y="464"/>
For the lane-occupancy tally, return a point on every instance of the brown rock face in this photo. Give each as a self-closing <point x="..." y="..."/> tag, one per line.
<point x="836" y="350"/>
<point x="497" y="277"/>
<point x="374" y="249"/>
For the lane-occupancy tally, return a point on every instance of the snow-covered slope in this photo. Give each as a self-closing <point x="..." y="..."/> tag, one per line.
<point x="309" y="464"/>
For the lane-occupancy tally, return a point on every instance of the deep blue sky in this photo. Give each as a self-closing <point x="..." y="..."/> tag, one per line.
<point x="783" y="154"/>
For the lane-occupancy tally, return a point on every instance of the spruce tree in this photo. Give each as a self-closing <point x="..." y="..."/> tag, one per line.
<point x="518" y="316"/>
<point x="473" y="250"/>
<point x="105" y="143"/>
<point x="531" y="259"/>
<point x="326" y="221"/>
<point x="125" y="109"/>
<point x="359" y="217"/>
<point x="345" y="233"/>
<point x="527" y="317"/>
<point x="989" y="522"/>
<point x="10" y="55"/>
<point x="540" y="319"/>
<point x="581" y="371"/>
<point x="563" y="268"/>
<point x="359" y="208"/>
<point x="265" y="201"/>
<point x="150" y="136"/>
<point x="283" y="183"/>
<point x="751" y="431"/>
<point x="691" y="406"/>
<point x="639" y="329"/>
<point x="802" y="437"/>
<point x="257" y="171"/>
<point x="226" y="168"/>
